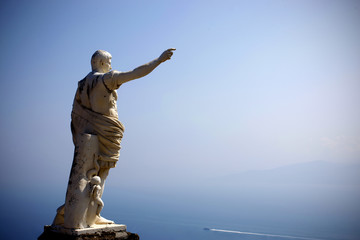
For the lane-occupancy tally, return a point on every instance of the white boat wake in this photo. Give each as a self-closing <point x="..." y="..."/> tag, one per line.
<point x="261" y="234"/>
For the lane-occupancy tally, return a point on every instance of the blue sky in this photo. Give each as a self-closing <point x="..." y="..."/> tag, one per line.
<point x="252" y="84"/>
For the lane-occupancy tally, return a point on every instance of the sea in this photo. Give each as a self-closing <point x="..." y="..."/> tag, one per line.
<point x="277" y="210"/>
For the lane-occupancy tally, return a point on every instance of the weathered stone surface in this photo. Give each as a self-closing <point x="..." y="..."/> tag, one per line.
<point x="97" y="134"/>
<point x="78" y="193"/>
<point x="109" y="232"/>
<point x="90" y="230"/>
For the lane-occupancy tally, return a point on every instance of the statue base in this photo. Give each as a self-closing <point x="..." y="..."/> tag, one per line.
<point x="104" y="232"/>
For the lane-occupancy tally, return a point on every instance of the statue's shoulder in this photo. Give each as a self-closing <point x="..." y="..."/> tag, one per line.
<point x="90" y="81"/>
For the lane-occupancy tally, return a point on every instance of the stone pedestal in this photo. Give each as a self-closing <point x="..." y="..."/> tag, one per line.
<point x="103" y="232"/>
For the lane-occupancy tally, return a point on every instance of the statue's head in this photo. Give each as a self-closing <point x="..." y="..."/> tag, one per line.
<point x="101" y="61"/>
<point x="96" y="180"/>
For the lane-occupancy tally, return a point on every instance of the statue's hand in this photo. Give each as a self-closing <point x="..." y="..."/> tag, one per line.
<point x="166" y="55"/>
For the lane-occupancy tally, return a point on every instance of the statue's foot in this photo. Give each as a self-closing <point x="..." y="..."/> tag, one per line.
<point x="101" y="220"/>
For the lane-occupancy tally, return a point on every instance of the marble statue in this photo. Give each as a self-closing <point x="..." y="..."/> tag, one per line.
<point x="97" y="135"/>
<point x="95" y="194"/>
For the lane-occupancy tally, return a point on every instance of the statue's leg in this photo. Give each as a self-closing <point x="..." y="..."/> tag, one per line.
<point x="100" y="204"/>
<point x="78" y="192"/>
<point x="103" y="173"/>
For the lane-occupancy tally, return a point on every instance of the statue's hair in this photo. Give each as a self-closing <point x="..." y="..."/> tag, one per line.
<point x="98" y="56"/>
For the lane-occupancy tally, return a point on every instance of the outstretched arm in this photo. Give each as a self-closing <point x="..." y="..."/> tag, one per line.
<point x="118" y="78"/>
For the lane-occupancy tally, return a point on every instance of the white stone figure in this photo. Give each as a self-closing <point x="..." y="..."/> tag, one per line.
<point x="97" y="135"/>
<point x="95" y="194"/>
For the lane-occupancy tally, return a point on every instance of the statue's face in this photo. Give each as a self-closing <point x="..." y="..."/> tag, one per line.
<point x="106" y="65"/>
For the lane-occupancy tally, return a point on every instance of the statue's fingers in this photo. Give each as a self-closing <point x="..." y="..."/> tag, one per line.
<point x="171" y="49"/>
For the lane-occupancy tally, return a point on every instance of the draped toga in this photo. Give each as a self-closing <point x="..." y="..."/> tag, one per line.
<point x="108" y="129"/>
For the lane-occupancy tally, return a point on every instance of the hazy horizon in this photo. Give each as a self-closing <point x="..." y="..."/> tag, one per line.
<point x="252" y="86"/>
